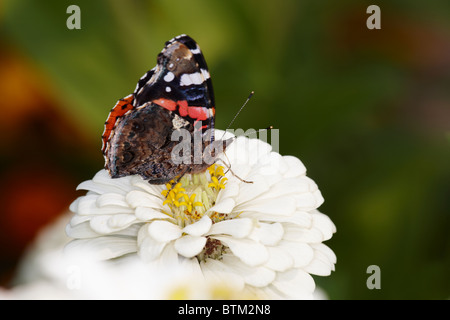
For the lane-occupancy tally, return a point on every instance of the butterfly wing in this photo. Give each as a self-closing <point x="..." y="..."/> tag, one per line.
<point x="181" y="77"/>
<point x="177" y="94"/>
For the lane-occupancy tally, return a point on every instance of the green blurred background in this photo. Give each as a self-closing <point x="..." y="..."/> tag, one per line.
<point x="367" y="111"/>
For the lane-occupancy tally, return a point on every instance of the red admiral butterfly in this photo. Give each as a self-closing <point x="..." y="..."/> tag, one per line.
<point x="175" y="95"/>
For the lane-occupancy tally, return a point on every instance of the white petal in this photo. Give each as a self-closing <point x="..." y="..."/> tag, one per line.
<point x="320" y="265"/>
<point x="148" y="214"/>
<point x="254" y="276"/>
<point x="302" y="219"/>
<point x="250" y="252"/>
<point x="324" y="224"/>
<point x="282" y="205"/>
<point x="87" y="205"/>
<point x="190" y="266"/>
<point x="150" y="249"/>
<point x="198" y="228"/>
<point x="301" y="253"/>
<point x="271" y="164"/>
<point x="81" y="230"/>
<point x="120" y="221"/>
<point x="224" y="206"/>
<point x="78" y="219"/>
<point x="119" y="185"/>
<point x="249" y="191"/>
<point x="237" y="228"/>
<point x="268" y="293"/>
<point x="292" y="186"/>
<point x="74" y="205"/>
<point x="231" y="190"/>
<point x="323" y="261"/>
<point x="163" y="231"/>
<point x="216" y="271"/>
<point x="130" y="231"/>
<point x="267" y="233"/>
<point x="299" y="234"/>
<point x="94" y="187"/>
<point x="102" y="176"/>
<point x="84" y="230"/>
<point x="106" y="247"/>
<point x="142" y="234"/>
<point x="257" y="149"/>
<point x="296" y="167"/>
<point x="278" y="189"/>
<point x="190" y="246"/>
<point x="151" y="189"/>
<point x="240" y="171"/>
<point x="309" y="201"/>
<point x="247" y="151"/>
<point x="137" y="198"/>
<point x="168" y="257"/>
<point x="325" y="250"/>
<point x="111" y="199"/>
<point x="295" y="284"/>
<point x="319" y="198"/>
<point x="108" y="224"/>
<point x="279" y="259"/>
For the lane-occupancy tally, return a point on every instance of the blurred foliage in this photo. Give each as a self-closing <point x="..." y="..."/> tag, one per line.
<point x="367" y="111"/>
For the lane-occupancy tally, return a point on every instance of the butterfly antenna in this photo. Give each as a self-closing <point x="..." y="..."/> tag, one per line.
<point x="246" y="101"/>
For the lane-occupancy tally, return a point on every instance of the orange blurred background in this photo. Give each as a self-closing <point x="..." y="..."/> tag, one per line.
<point x="46" y="154"/>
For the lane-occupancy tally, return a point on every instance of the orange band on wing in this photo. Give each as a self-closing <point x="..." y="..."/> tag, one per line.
<point x="122" y="106"/>
<point x="166" y="104"/>
<point x="198" y="113"/>
<point x="183" y="108"/>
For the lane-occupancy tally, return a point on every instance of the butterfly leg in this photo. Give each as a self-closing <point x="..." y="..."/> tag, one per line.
<point x="229" y="169"/>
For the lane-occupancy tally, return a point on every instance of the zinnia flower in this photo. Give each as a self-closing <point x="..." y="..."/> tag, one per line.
<point x="263" y="234"/>
<point x="46" y="272"/>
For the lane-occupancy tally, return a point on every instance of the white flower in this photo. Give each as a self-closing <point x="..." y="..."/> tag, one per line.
<point x="265" y="236"/>
<point x="46" y="273"/>
<point x="79" y="275"/>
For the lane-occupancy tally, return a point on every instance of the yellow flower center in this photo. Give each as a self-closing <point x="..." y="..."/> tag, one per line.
<point x="192" y="197"/>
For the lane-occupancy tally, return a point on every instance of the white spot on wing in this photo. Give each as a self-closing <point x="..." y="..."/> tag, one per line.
<point x="196" y="50"/>
<point x="197" y="78"/>
<point x="168" y="89"/>
<point x="205" y="73"/>
<point x="169" y="77"/>
<point x="193" y="78"/>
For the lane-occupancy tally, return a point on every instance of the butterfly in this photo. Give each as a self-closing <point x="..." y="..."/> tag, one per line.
<point x="165" y="129"/>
